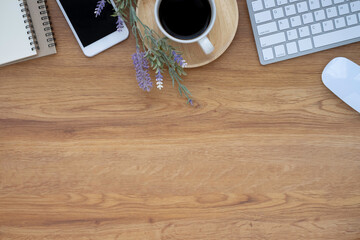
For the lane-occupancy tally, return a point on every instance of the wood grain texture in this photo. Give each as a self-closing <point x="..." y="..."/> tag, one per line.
<point x="266" y="153"/>
<point x="221" y="35"/>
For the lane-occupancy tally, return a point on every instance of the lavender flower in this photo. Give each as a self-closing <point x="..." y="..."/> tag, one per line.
<point x="179" y="59"/>
<point x="141" y="65"/>
<point x="159" y="80"/>
<point x="119" y="24"/>
<point x="99" y="7"/>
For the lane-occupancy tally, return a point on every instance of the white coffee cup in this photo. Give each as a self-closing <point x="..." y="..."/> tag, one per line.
<point x="202" y="40"/>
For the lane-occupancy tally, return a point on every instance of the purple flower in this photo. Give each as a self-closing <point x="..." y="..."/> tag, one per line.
<point x="99" y="7"/>
<point x="119" y="24"/>
<point x="159" y="80"/>
<point x="179" y="59"/>
<point x="190" y="101"/>
<point x="141" y="65"/>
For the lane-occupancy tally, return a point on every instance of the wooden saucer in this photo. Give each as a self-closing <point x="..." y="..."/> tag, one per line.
<point x="221" y="35"/>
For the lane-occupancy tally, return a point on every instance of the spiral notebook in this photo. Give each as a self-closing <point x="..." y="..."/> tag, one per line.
<point x="25" y="31"/>
<point x="16" y="40"/>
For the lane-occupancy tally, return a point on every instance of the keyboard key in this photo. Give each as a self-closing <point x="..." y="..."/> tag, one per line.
<point x="279" y="51"/>
<point x="281" y="2"/>
<point x="304" y="31"/>
<point x="302" y="7"/>
<point x="305" y="44"/>
<point x="295" y="21"/>
<point x="328" y="25"/>
<point x="319" y="15"/>
<point x="343" y="9"/>
<point x="278" y="13"/>
<point x="267" y="28"/>
<point x="272" y="39"/>
<point x="355" y="6"/>
<point x="262" y="16"/>
<point x="340" y="22"/>
<point x="291" y="48"/>
<point x="307" y="18"/>
<point x="283" y="24"/>
<point x="331" y="12"/>
<point x="290" y="10"/>
<point x="337" y="36"/>
<point x="257" y="5"/>
<point x="338" y="1"/>
<point x="269" y="3"/>
<point x="326" y="3"/>
<point x="293" y="1"/>
<point x="351" y="20"/>
<point x="316" y="28"/>
<point x="268" y="54"/>
<point x="292" y="34"/>
<point x="314" y="4"/>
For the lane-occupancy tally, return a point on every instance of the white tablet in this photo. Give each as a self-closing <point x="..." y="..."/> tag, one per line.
<point x="94" y="34"/>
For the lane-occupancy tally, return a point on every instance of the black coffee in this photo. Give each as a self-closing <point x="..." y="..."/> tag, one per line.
<point x="185" y="19"/>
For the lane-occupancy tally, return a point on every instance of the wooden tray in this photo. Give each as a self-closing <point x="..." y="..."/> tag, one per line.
<point x="221" y="35"/>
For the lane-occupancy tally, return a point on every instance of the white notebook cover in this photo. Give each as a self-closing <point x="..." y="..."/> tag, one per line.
<point x="14" y="39"/>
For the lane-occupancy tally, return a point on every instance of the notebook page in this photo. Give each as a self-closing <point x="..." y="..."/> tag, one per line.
<point x="42" y="27"/>
<point x="14" y="39"/>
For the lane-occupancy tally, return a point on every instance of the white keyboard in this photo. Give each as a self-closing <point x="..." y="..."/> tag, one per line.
<point x="286" y="29"/>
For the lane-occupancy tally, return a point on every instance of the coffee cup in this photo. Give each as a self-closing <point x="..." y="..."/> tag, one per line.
<point x="187" y="21"/>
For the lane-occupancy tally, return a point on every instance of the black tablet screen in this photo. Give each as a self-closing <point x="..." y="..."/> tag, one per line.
<point x="88" y="27"/>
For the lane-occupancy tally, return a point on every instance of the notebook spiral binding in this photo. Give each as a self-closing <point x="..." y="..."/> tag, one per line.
<point x="30" y="28"/>
<point x="46" y="23"/>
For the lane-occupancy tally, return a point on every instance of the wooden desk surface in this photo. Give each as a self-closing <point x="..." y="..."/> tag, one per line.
<point x="266" y="153"/>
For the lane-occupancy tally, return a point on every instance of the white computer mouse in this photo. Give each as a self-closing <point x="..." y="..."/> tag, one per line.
<point x="342" y="77"/>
